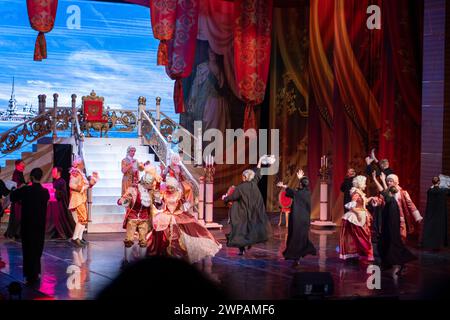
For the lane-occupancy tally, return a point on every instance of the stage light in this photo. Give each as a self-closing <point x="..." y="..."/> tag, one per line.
<point x="311" y="285"/>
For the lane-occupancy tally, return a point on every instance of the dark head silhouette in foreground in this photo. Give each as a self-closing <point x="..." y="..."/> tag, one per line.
<point x="162" y="278"/>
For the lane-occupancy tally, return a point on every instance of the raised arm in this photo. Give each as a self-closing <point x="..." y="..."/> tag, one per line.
<point x="289" y="192"/>
<point x="258" y="176"/>
<point x="375" y="179"/>
<point x="383" y="180"/>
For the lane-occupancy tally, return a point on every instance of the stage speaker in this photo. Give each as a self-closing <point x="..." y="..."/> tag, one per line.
<point x="311" y="284"/>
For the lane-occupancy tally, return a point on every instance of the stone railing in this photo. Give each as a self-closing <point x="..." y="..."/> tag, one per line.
<point x="151" y="135"/>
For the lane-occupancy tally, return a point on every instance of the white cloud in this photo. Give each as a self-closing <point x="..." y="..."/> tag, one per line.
<point x="40" y="84"/>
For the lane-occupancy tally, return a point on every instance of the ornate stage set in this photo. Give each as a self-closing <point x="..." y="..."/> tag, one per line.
<point x="335" y="89"/>
<point x="332" y="84"/>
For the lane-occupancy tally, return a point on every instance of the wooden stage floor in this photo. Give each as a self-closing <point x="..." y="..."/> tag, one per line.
<point x="261" y="273"/>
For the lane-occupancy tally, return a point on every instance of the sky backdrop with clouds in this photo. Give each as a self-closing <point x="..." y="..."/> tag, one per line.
<point x="113" y="52"/>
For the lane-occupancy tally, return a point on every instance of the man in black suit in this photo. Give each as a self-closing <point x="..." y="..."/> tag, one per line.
<point x="34" y="200"/>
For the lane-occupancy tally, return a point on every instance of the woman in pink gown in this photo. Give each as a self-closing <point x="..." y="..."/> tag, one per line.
<point x="176" y="233"/>
<point x="355" y="238"/>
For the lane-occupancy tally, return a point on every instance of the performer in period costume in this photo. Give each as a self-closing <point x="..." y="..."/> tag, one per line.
<point x="139" y="199"/>
<point x="13" y="230"/>
<point x="355" y="238"/>
<point x="79" y="185"/>
<point x="347" y="185"/>
<point x="130" y="169"/>
<point x="392" y="250"/>
<point x="34" y="209"/>
<point x="298" y="244"/>
<point x="435" y="221"/>
<point x="410" y="217"/>
<point x="249" y="222"/>
<point x="174" y="170"/>
<point x="175" y="232"/>
<point x="62" y="224"/>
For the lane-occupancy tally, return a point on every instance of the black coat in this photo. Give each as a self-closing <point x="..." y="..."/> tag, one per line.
<point x="345" y="188"/>
<point x="391" y="247"/>
<point x="34" y="200"/>
<point x="248" y="218"/>
<point x="435" y="220"/>
<point x="298" y="244"/>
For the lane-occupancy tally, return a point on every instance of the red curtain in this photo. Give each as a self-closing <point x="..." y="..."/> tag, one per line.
<point x="181" y="49"/>
<point x="41" y="14"/>
<point x="163" y="14"/>
<point x="252" y="43"/>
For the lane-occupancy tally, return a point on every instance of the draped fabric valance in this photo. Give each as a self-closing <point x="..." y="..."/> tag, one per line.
<point x="41" y="14"/>
<point x="239" y="30"/>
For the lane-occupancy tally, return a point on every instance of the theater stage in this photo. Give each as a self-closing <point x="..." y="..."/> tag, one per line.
<point x="260" y="274"/>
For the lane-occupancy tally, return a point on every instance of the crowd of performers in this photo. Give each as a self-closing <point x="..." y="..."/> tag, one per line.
<point x="160" y="210"/>
<point x="389" y="217"/>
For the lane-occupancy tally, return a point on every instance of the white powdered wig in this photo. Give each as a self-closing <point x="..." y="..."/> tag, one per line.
<point x="248" y="174"/>
<point x="394" y="178"/>
<point x="147" y="178"/>
<point x="359" y="182"/>
<point x="175" y="158"/>
<point x="172" y="182"/>
<point x="77" y="161"/>
<point x="130" y="148"/>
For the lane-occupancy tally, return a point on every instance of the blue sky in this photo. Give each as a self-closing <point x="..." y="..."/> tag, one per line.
<point x="113" y="52"/>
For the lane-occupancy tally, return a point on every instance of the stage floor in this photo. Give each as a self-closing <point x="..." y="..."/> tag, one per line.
<point x="261" y="273"/>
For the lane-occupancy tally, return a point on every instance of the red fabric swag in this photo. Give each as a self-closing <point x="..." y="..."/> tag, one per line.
<point x="41" y="14"/>
<point x="252" y="43"/>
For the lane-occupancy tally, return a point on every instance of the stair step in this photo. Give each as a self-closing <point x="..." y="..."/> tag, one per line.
<point x="108" y="182"/>
<point x="115" y="158"/>
<point x="100" y="209"/>
<point x="112" y="141"/>
<point x="113" y="148"/>
<point x="107" y="191"/>
<point x="105" y="199"/>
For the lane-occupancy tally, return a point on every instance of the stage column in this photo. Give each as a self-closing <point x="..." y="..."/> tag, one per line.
<point x="209" y="193"/>
<point x="42" y="101"/>
<point x="74" y="113"/>
<point x="141" y="108"/>
<point x="433" y="94"/>
<point x="158" y="112"/>
<point x="324" y="173"/>
<point x="54" y="117"/>
<point x="201" y="201"/>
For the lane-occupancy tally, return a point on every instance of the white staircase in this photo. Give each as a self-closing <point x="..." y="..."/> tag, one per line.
<point x="104" y="155"/>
